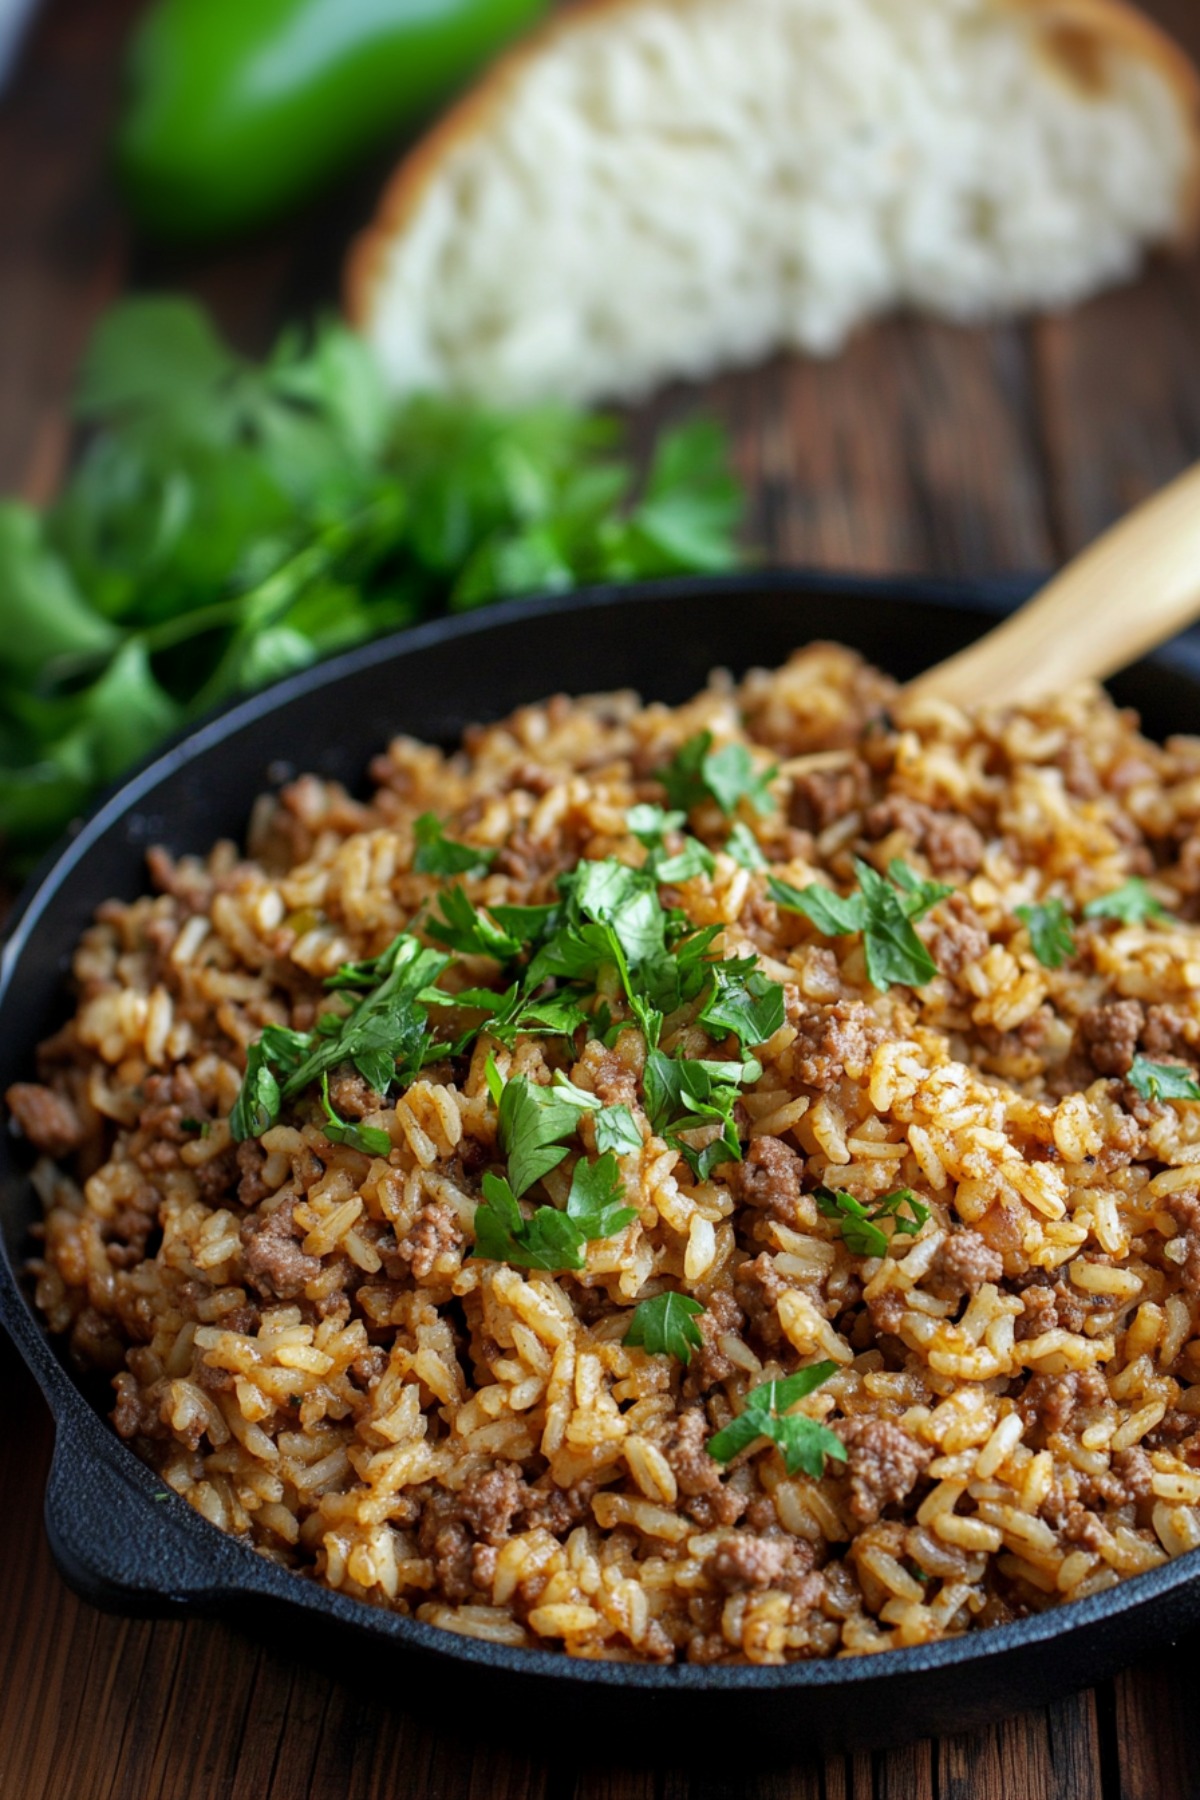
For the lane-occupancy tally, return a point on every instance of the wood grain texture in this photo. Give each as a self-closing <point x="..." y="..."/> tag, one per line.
<point x="922" y="448"/>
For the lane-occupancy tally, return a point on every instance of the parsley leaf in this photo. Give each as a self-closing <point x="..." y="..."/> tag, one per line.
<point x="549" y="1240"/>
<point x="596" y="1201"/>
<point x="616" y="1129"/>
<point x="534" y="1121"/>
<point x="1162" y="1081"/>
<point x="556" y="1015"/>
<point x="919" y="895"/>
<point x="367" y="1138"/>
<point x="685" y="1094"/>
<point x="610" y="893"/>
<point x="650" y="824"/>
<point x="883" y="911"/>
<point x="666" y="1326"/>
<point x="832" y="915"/>
<point x="698" y="772"/>
<point x="859" y="1223"/>
<point x="743" y="846"/>
<point x="384" y="1036"/>
<point x="467" y="929"/>
<point x="805" y="1443"/>
<point x="1132" y="903"/>
<point x="750" y="1006"/>
<point x="436" y="854"/>
<point x="1050" y="933"/>
<point x="260" y="1098"/>
<point x="524" y="924"/>
<point x="694" y="859"/>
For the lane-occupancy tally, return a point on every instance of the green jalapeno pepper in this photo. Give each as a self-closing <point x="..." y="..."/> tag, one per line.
<point x="238" y="109"/>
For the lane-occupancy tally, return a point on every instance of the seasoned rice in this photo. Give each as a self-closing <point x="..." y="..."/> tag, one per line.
<point x="304" y="1348"/>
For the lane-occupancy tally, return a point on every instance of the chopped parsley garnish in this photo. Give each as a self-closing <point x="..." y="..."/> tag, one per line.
<point x="860" y="1224"/>
<point x="1162" y="1081"/>
<point x="260" y="1097"/>
<point x="607" y="954"/>
<point x="616" y="1129"/>
<point x="436" y="854"/>
<point x="508" y="1014"/>
<point x="551" y="1239"/>
<point x="534" y="1122"/>
<point x="1132" y="903"/>
<point x="383" y="1035"/>
<point x="1050" y="933"/>
<point x="650" y="824"/>
<point x="694" y="859"/>
<point x="697" y="772"/>
<point x="469" y="930"/>
<point x="685" y="1094"/>
<point x="881" y="910"/>
<point x="743" y="846"/>
<point x="596" y="1200"/>
<point x="666" y="1326"/>
<point x="367" y="1138"/>
<point x="744" y="1002"/>
<point x="804" y="1443"/>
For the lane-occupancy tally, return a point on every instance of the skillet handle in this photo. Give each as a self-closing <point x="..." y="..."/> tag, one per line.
<point x="125" y="1544"/>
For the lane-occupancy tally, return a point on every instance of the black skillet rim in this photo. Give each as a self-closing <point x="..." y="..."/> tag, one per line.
<point x="231" y="1574"/>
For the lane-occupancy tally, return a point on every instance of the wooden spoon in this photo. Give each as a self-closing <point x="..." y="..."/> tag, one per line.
<point x="1133" y="589"/>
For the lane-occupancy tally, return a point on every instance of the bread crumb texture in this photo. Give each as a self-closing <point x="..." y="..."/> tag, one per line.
<point x="654" y="189"/>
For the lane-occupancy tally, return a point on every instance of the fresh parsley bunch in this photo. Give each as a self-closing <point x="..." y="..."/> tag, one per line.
<point x="229" y="522"/>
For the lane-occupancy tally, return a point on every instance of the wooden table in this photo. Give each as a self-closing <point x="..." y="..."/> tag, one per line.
<point x="922" y="448"/>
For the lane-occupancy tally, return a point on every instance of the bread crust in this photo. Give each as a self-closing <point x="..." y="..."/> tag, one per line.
<point x="1073" y="32"/>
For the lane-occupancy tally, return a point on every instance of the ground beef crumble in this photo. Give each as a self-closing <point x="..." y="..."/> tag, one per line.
<point x="832" y="1039"/>
<point x="275" y="1263"/>
<point x="821" y="797"/>
<point x="964" y="1262"/>
<point x="957" y="935"/>
<point x="885" y="1463"/>
<point x="950" y="844"/>
<point x="769" y="1178"/>
<point x="1108" y="1035"/>
<point x="758" y="1285"/>
<point x="747" y="1562"/>
<point x="435" y="1230"/>
<point x="46" y="1117"/>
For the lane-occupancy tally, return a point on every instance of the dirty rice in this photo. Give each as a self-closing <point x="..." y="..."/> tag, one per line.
<point x="303" y="1347"/>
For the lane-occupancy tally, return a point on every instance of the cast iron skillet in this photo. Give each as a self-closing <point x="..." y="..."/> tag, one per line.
<point x="123" y="1545"/>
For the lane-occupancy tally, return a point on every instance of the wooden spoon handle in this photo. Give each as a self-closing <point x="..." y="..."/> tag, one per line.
<point x="1133" y="589"/>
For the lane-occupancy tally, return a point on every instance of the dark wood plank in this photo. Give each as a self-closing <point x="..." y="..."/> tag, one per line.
<point x="61" y="236"/>
<point x="1051" y="1755"/>
<point x="1157" y="1728"/>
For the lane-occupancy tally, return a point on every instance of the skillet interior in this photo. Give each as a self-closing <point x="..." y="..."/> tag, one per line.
<point x="118" y="1544"/>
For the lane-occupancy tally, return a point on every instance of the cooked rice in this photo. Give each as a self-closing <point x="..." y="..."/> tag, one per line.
<point x="473" y="1444"/>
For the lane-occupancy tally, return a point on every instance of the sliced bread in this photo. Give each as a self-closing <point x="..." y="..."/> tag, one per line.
<point x="657" y="188"/>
